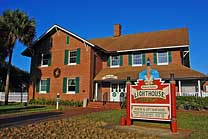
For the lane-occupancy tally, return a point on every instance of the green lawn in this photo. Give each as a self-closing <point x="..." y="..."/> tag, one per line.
<point x="195" y="121"/>
<point x="18" y="108"/>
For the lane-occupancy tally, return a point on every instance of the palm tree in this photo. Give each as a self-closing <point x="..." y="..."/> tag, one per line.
<point x="15" y="25"/>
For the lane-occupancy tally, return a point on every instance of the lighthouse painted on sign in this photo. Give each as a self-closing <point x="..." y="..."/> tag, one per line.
<point x="150" y="97"/>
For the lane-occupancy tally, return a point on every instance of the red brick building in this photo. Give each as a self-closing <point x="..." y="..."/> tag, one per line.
<point x="64" y="63"/>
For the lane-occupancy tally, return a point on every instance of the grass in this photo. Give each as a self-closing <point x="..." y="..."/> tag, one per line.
<point x="19" y="108"/>
<point x="111" y="116"/>
<point x="190" y="120"/>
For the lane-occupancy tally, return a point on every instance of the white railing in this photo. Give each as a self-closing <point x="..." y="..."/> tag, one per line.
<point x="196" y="94"/>
<point x="15" y="96"/>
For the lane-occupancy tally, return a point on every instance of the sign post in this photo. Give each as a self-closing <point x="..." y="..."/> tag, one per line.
<point x="173" y="124"/>
<point x="128" y="95"/>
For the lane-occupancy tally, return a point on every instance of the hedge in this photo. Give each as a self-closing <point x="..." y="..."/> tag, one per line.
<point x="191" y="103"/>
<point x="53" y="102"/>
<point x="182" y="103"/>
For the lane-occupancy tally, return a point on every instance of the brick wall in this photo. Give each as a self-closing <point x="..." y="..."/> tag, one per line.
<point x="176" y="58"/>
<point x="82" y="70"/>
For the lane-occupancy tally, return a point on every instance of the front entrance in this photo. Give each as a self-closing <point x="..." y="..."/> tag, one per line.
<point x="117" y="92"/>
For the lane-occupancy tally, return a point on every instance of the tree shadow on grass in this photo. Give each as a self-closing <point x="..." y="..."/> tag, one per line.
<point x="27" y="119"/>
<point x="14" y="110"/>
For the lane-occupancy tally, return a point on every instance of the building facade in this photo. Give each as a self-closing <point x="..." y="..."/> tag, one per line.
<point x="64" y="63"/>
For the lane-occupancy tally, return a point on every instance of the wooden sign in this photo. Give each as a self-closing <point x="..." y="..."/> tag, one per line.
<point x="150" y="101"/>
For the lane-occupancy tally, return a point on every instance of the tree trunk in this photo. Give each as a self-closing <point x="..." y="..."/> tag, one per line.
<point x="7" y="78"/>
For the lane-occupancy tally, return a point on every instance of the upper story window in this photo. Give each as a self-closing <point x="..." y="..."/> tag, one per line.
<point x="45" y="60"/>
<point x="67" y="39"/>
<point x="51" y="42"/>
<point x="115" y="61"/>
<point x="137" y="59"/>
<point x="162" y="58"/>
<point x="72" y="57"/>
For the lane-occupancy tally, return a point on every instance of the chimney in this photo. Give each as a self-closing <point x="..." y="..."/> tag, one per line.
<point x="117" y="30"/>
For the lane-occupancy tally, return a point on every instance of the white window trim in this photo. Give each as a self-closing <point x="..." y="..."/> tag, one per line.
<point x="41" y="63"/>
<point x="70" y="92"/>
<point x="42" y="92"/>
<point x="162" y="63"/>
<point x="44" y="66"/>
<point x="71" y="64"/>
<point x="136" y="65"/>
<point x="114" y="66"/>
<point x="132" y="61"/>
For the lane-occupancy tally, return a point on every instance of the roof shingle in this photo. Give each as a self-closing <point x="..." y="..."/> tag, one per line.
<point x="179" y="71"/>
<point x="174" y="37"/>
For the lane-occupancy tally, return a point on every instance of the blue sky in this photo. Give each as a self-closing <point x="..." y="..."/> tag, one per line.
<point x="95" y="18"/>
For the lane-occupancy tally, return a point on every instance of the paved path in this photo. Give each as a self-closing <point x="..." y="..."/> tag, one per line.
<point x="19" y="120"/>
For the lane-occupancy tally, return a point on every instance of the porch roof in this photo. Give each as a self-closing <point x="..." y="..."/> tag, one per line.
<point x="180" y="72"/>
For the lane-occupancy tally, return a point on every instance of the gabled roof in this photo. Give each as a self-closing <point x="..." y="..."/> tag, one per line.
<point x="64" y="30"/>
<point x="53" y="29"/>
<point x="180" y="72"/>
<point x="145" y="41"/>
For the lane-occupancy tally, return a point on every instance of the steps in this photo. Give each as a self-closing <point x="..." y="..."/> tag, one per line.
<point x="106" y="105"/>
<point x="95" y="105"/>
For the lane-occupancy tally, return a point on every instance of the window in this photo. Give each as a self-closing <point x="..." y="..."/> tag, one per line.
<point x="162" y="58"/>
<point x="137" y="59"/>
<point x="43" y="86"/>
<point x="71" y="86"/>
<point x="115" y="61"/>
<point x="45" y="60"/>
<point x="51" y="42"/>
<point x="67" y="39"/>
<point x="72" y="57"/>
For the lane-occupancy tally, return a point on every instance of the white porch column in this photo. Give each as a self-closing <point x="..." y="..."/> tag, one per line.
<point x="96" y="91"/>
<point x="199" y="88"/>
<point x="179" y="88"/>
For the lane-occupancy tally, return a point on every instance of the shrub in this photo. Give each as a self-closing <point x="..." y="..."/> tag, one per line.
<point x="191" y="102"/>
<point x="53" y="102"/>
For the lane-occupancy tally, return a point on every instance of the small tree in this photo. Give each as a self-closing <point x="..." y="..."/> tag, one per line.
<point x="14" y="25"/>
